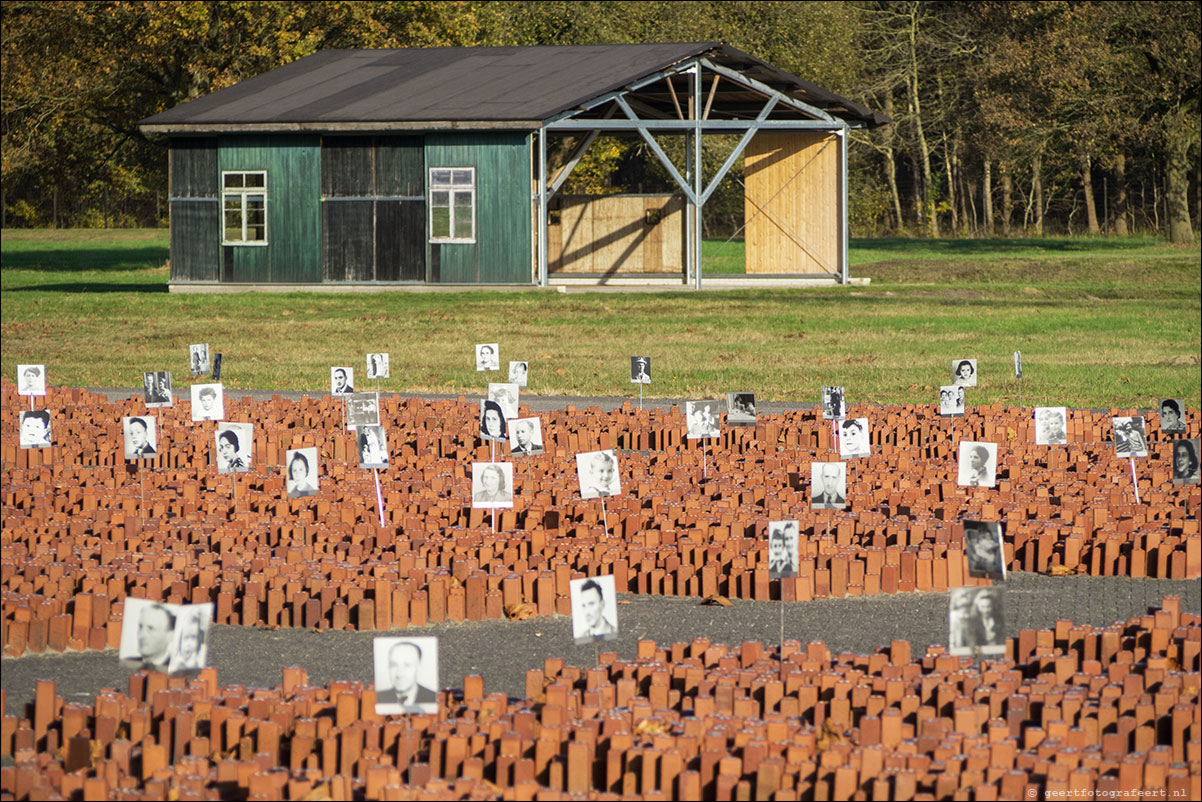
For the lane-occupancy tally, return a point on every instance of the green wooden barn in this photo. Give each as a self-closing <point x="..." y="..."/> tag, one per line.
<point x="377" y="168"/>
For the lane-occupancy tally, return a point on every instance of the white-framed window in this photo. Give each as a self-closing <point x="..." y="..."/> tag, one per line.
<point x="244" y="207"/>
<point x="452" y="204"/>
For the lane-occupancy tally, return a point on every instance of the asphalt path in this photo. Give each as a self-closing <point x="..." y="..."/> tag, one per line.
<point x="502" y="651"/>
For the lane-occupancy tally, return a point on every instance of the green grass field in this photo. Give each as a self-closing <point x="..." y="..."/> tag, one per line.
<point x="1100" y="322"/>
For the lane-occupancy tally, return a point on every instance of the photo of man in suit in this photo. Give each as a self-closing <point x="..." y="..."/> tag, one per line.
<point x="594" y="610"/>
<point x="139" y="438"/>
<point x="782" y="549"/>
<point x="406" y="661"/>
<point x="828" y="484"/>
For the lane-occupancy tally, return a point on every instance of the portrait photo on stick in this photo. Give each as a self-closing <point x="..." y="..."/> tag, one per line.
<point x="362" y="409"/>
<point x="493" y="425"/>
<point x="198" y="358"/>
<point x="487" y="357"/>
<point x="35" y="429"/>
<point x="406" y="675"/>
<point x="598" y="474"/>
<point x="853" y="438"/>
<point x="526" y="437"/>
<point x="951" y="400"/>
<point x="1172" y="415"/>
<point x="190" y="646"/>
<point x="301" y="470"/>
<point x="1051" y="426"/>
<point x="208" y="402"/>
<point x="594" y="609"/>
<point x="492" y="485"/>
<point x="1130" y="439"/>
<point x="782" y="549"/>
<point x="976" y="464"/>
<point x="983" y="549"/>
<point x="1185" y="461"/>
<point x="373" y="447"/>
<point x="964" y="372"/>
<point x="828" y="485"/>
<point x="833" y="403"/>
<point x="234" y="447"/>
<point x="975" y="622"/>
<point x="640" y="370"/>
<point x="377" y="366"/>
<point x="157" y="389"/>
<point x="702" y="419"/>
<point x="342" y="381"/>
<point x="505" y="394"/>
<point x="740" y="409"/>
<point x="519" y="372"/>
<point x="31" y="379"/>
<point x="140" y="437"/>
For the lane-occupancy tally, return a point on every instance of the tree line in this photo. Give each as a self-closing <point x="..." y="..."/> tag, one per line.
<point x="1010" y="118"/>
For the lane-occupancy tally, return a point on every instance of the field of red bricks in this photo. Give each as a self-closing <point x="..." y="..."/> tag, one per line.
<point x="1064" y="710"/>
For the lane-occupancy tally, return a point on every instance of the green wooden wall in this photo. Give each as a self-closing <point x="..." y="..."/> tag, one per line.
<point x="293" y="250"/>
<point x="195" y="210"/>
<point x="501" y="253"/>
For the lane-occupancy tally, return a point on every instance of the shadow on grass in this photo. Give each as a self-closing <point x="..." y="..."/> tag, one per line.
<point x="968" y="247"/>
<point x="70" y="260"/>
<point x="92" y="287"/>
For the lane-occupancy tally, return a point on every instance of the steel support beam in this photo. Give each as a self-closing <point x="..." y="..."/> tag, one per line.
<point x="542" y="207"/>
<point x="752" y="83"/>
<point x="637" y="124"/>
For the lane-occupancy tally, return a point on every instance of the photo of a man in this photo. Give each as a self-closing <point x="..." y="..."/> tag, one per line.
<point x="702" y="420"/>
<point x="147" y="633"/>
<point x="951" y="400"/>
<point x="35" y="429"/>
<point x="198" y="358"/>
<point x="594" y="609"/>
<point x="782" y="549"/>
<point x="598" y="474"/>
<point x="487" y="357"/>
<point x="640" y="370"/>
<point x="977" y="464"/>
<point x="342" y="381"/>
<point x="406" y="675"/>
<point x="31" y="379"/>
<point x="208" y="402"/>
<point x="139" y="437"/>
<point x="828" y="485"/>
<point x="362" y="409"/>
<point x="975" y="622"/>
<point x="740" y="409"/>
<point x="833" y="407"/>
<point x="526" y="437"/>
<point x="983" y="549"/>
<point x="158" y="390"/>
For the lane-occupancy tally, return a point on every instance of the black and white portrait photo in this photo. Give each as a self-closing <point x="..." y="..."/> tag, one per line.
<point x="1172" y="415"/>
<point x="518" y="373"/>
<point x="198" y="358"/>
<point x="377" y="366"/>
<point x="35" y="429"/>
<point x="1051" y="426"/>
<point x="977" y="464"/>
<point x="190" y="646"/>
<point x="594" y="609"/>
<point x="964" y="373"/>
<point x="31" y="379"/>
<point x="406" y="674"/>
<point x="487" y="357"/>
<point x="740" y="409"/>
<point x="164" y="637"/>
<point x="301" y="471"/>
<point x="702" y="419"/>
<point x="373" y="446"/>
<point x="1185" y="462"/>
<point x="853" y="438"/>
<point x="782" y="549"/>
<point x="505" y="394"/>
<point x="234" y="447"/>
<point x="951" y="400"/>
<point x="833" y="404"/>
<point x="526" y="437"/>
<point x="598" y="474"/>
<point x="983" y="549"/>
<point x="493" y="425"/>
<point x="342" y="381"/>
<point x="1130" y="439"/>
<point x="208" y="402"/>
<point x="140" y="437"/>
<point x="362" y="409"/>
<point x="158" y="390"/>
<point x="640" y="370"/>
<point x="828" y="485"/>
<point x="975" y="623"/>
<point x="492" y="485"/>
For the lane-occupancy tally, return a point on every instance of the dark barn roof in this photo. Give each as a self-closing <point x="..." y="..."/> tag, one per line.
<point x="455" y="87"/>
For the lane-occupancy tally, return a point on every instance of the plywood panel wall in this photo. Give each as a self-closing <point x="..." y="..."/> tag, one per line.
<point x="617" y="233"/>
<point x="791" y="206"/>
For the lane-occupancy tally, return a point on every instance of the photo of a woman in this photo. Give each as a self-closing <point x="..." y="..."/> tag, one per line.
<point x="302" y="476"/>
<point x="964" y="373"/>
<point x="492" y="422"/>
